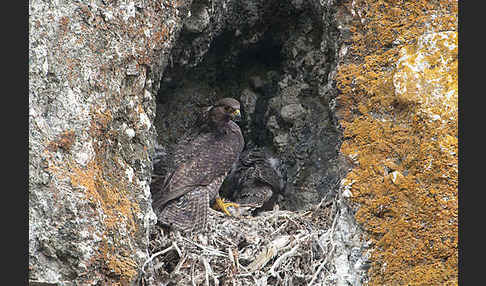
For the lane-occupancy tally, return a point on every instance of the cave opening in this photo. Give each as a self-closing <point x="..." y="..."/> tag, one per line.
<point x="277" y="70"/>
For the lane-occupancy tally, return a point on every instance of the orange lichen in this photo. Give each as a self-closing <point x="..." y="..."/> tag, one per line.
<point x="64" y="24"/>
<point x="119" y="264"/>
<point x="65" y="141"/>
<point x="398" y="107"/>
<point x="108" y="190"/>
<point x="161" y="34"/>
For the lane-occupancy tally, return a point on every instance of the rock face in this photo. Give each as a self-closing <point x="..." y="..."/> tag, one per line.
<point x="357" y="100"/>
<point x="398" y="107"/>
<point x="94" y="70"/>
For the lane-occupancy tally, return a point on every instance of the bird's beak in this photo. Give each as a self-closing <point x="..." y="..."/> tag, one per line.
<point x="236" y="114"/>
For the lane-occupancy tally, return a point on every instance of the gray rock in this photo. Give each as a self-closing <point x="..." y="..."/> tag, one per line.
<point x="199" y="19"/>
<point x="297" y="3"/>
<point x="272" y="124"/>
<point x="281" y="140"/>
<point x="292" y="112"/>
<point x="248" y="99"/>
<point x="351" y="251"/>
<point x="256" y="83"/>
<point x="93" y="74"/>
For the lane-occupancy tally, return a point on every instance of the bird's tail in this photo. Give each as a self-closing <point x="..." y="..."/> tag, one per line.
<point x="186" y="213"/>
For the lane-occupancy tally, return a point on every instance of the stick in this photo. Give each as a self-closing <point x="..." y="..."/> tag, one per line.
<point x="208" y="249"/>
<point x="155" y="255"/>
<point x="231" y="257"/>
<point x="192" y="274"/>
<point x="209" y="271"/>
<point x="206" y="269"/>
<point x="179" y="265"/>
<point x="282" y="258"/>
<point x="314" y="277"/>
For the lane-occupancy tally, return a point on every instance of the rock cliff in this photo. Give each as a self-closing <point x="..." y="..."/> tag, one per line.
<point x="94" y="69"/>
<point x="398" y="107"/>
<point x="357" y="99"/>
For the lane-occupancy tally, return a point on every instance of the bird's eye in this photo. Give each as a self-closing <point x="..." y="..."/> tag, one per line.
<point x="228" y="109"/>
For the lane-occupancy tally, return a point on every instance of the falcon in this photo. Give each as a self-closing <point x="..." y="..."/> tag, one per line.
<point x="255" y="181"/>
<point x="181" y="199"/>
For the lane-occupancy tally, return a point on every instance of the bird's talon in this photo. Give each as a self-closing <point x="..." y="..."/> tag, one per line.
<point x="223" y="206"/>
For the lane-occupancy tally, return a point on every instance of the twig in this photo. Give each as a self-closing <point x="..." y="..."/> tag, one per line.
<point x="261" y="282"/>
<point x="279" y="228"/>
<point x="209" y="271"/>
<point x="269" y="252"/>
<point x="314" y="277"/>
<point x="232" y="259"/>
<point x="206" y="269"/>
<point x="192" y="274"/>
<point x="333" y="226"/>
<point x="246" y="271"/>
<point x="155" y="255"/>
<point x="174" y="244"/>
<point x="179" y="265"/>
<point x="246" y="274"/>
<point x="208" y="249"/>
<point x="282" y="258"/>
<point x="182" y="256"/>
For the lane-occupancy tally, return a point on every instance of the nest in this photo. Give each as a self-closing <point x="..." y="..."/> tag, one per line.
<point x="275" y="248"/>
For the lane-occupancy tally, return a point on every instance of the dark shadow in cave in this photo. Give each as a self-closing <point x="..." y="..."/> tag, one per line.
<point x="226" y="70"/>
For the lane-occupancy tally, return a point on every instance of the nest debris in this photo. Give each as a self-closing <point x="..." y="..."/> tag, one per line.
<point x="275" y="248"/>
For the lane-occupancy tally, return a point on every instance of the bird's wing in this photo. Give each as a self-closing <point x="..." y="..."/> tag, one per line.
<point x="206" y="158"/>
<point x="255" y="195"/>
<point x="188" y="212"/>
<point x="269" y="175"/>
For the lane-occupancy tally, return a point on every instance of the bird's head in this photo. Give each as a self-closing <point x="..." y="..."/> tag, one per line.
<point x="227" y="109"/>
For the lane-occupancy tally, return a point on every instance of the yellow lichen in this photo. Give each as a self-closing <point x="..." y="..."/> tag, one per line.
<point x="398" y="107"/>
<point x="64" y="141"/>
<point x="108" y="190"/>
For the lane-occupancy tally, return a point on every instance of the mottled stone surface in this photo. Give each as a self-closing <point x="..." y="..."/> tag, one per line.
<point x="327" y="86"/>
<point x="398" y="108"/>
<point x="94" y="68"/>
<point x="291" y="112"/>
<point x="426" y="75"/>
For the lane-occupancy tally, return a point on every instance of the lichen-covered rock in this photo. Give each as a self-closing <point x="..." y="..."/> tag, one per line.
<point x="398" y="107"/>
<point x="379" y="77"/>
<point x="426" y="75"/>
<point x="94" y="69"/>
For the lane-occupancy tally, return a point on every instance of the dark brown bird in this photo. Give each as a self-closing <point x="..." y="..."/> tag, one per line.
<point x="255" y="181"/>
<point x="181" y="199"/>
